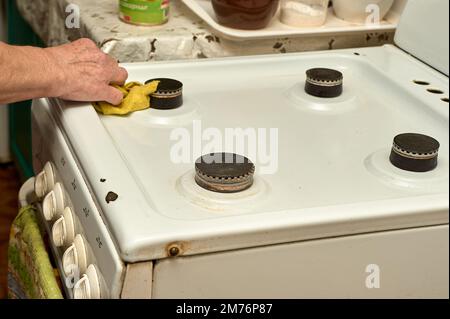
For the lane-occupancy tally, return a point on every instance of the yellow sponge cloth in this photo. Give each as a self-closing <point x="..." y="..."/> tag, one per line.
<point x="136" y="97"/>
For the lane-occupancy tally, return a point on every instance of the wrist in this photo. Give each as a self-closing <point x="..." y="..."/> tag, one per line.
<point x="56" y="81"/>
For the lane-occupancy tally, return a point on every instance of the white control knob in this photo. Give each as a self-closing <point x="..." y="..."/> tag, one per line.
<point x="75" y="257"/>
<point x="63" y="230"/>
<point x="88" y="287"/>
<point x="45" y="180"/>
<point x="54" y="202"/>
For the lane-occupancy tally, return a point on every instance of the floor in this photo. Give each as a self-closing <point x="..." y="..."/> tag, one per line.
<point x="9" y="188"/>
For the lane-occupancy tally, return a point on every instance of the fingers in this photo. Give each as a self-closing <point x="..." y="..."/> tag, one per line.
<point x="120" y="76"/>
<point x="85" y="42"/>
<point x="112" y="95"/>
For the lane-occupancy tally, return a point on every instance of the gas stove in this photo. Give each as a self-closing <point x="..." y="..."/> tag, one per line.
<point x="279" y="176"/>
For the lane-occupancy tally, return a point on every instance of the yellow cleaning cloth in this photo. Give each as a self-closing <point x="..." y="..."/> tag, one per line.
<point x="136" y="97"/>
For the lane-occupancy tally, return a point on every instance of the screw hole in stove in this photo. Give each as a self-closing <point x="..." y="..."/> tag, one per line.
<point x="435" y="91"/>
<point x="419" y="82"/>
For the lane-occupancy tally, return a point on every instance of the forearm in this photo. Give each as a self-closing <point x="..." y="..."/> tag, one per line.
<point x="77" y="71"/>
<point x="26" y="73"/>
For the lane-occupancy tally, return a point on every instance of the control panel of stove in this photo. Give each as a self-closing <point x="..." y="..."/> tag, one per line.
<point x="88" y="261"/>
<point x="78" y="262"/>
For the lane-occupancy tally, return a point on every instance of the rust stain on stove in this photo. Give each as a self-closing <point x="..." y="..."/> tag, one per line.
<point x="384" y="37"/>
<point x="212" y="38"/>
<point x="153" y="46"/>
<point x="330" y="44"/>
<point x="111" y="197"/>
<point x="176" y="249"/>
<point x="278" y="45"/>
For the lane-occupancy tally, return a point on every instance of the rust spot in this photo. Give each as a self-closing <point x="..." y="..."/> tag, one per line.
<point x="278" y="45"/>
<point x="383" y="37"/>
<point x="210" y="38"/>
<point x="175" y="249"/>
<point x="153" y="46"/>
<point x="330" y="44"/>
<point x="111" y="197"/>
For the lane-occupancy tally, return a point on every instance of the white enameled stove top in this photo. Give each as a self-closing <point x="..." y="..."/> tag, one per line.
<point x="330" y="175"/>
<point x="118" y="194"/>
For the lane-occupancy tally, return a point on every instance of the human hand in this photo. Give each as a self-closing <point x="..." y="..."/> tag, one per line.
<point x="85" y="73"/>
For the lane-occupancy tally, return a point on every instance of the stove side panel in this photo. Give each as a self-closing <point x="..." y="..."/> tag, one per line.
<point x="410" y="263"/>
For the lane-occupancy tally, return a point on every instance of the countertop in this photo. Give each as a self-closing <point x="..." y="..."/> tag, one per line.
<point x="185" y="36"/>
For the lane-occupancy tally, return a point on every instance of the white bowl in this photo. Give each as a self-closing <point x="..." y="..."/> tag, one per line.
<point x="356" y="10"/>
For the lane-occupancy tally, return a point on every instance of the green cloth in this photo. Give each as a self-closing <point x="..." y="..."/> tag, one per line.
<point x="30" y="273"/>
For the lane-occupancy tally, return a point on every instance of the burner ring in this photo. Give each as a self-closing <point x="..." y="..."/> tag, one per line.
<point x="224" y="172"/>
<point x="169" y="94"/>
<point x="415" y="152"/>
<point x="325" y="83"/>
<point x="413" y="155"/>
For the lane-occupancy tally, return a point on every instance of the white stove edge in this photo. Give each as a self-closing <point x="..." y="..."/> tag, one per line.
<point x="95" y="231"/>
<point x="139" y="242"/>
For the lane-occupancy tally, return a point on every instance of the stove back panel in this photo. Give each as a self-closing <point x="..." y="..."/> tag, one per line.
<point x="424" y="30"/>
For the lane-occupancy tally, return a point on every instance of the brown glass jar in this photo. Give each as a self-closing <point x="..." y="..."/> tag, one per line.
<point x="245" y="14"/>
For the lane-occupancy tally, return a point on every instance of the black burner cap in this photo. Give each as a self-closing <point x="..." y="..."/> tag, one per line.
<point x="169" y="94"/>
<point x="224" y="172"/>
<point x="325" y="83"/>
<point x="415" y="152"/>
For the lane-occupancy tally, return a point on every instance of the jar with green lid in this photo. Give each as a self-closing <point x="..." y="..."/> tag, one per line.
<point x="144" y="12"/>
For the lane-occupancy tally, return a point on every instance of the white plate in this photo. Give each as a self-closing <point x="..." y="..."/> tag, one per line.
<point x="276" y="29"/>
